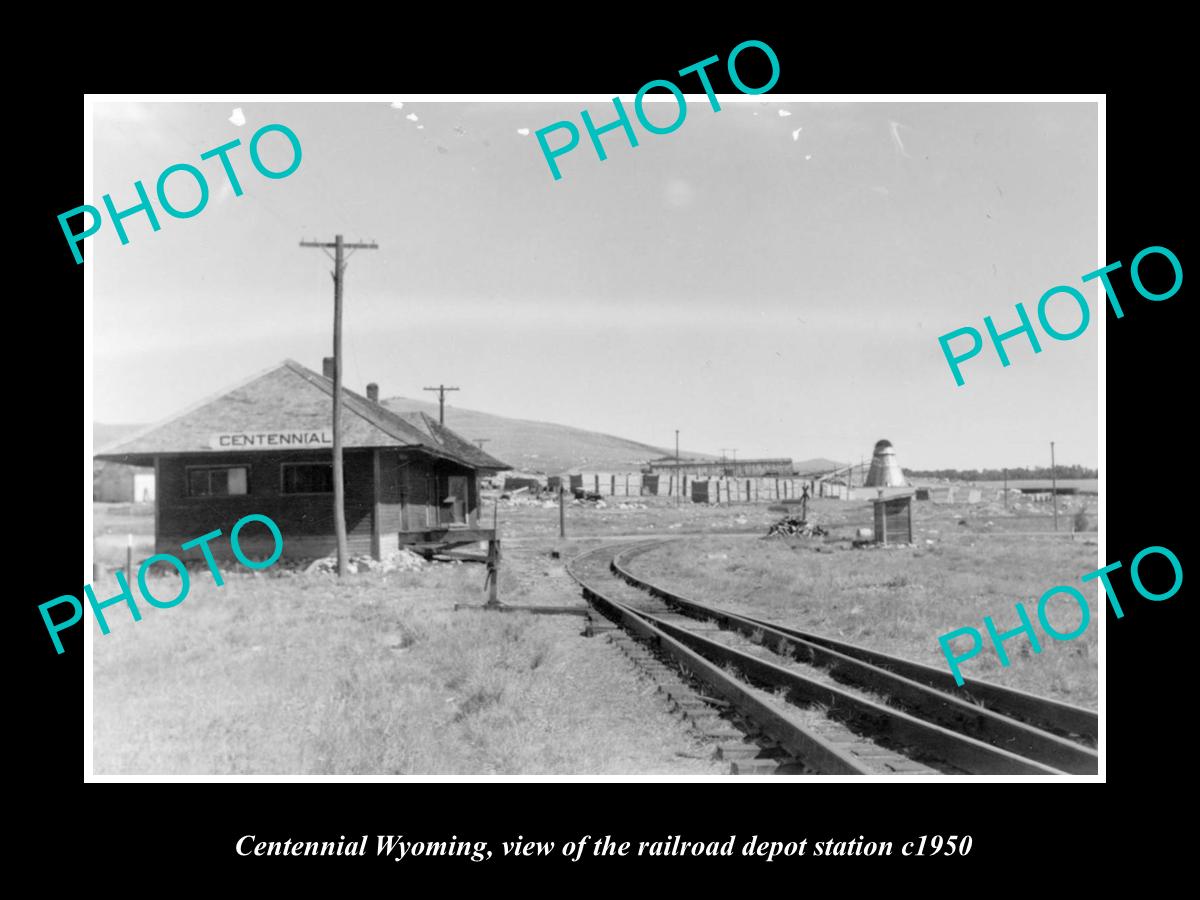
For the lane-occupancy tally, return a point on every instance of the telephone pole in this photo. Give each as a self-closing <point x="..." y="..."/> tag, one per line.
<point x="678" y="471"/>
<point x="1054" y="485"/>
<point x="481" y="442"/>
<point x="339" y="491"/>
<point x="725" y="461"/>
<point x="441" y="389"/>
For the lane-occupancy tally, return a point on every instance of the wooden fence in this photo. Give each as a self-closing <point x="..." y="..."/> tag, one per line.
<point x="758" y="490"/>
<point x="720" y="490"/>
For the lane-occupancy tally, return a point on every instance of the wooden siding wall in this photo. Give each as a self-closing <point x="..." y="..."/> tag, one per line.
<point x="391" y="490"/>
<point x="898" y="512"/>
<point x="409" y="500"/>
<point x="423" y="482"/>
<point x="305" y="520"/>
<point x="418" y="496"/>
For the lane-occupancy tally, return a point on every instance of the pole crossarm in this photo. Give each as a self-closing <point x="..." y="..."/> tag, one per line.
<point x="371" y="246"/>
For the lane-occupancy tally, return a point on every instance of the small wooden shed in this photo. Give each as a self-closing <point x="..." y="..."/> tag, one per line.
<point x="893" y="519"/>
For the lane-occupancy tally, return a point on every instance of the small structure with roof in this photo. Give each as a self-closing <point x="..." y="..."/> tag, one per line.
<point x="265" y="446"/>
<point x="893" y="519"/>
<point x="115" y="483"/>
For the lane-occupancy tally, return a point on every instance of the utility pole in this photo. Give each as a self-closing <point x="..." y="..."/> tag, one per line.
<point x="1006" y="489"/>
<point x="441" y="389"/>
<point x="481" y="442"/>
<point x="339" y="490"/>
<point x="1054" y="485"/>
<point x="678" y="483"/>
<point x="725" y="460"/>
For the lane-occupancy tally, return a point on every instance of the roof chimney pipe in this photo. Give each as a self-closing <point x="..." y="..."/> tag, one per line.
<point x="373" y="392"/>
<point x="327" y="367"/>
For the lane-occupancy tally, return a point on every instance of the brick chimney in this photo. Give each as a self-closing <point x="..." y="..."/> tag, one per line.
<point x="373" y="392"/>
<point x="327" y="367"/>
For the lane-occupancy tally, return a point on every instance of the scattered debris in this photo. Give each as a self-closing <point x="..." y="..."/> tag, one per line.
<point x="524" y="499"/>
<point x="402" y="560"/>
<point x="879" y="545"/>
<point x="793" y="526"/>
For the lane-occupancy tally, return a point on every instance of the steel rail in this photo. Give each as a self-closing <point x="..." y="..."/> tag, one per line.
<point x="920" y="700"/>
<point x="813" y="750"/>
<point x="896" y="726"/>
<point x="1042" y="713"/>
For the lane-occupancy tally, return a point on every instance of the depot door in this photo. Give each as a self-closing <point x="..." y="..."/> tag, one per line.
<point x="454" y="501"/>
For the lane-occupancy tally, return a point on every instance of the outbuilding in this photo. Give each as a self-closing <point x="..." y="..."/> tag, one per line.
<point x="265" y="446"/>
<point x="115" y="483"/>
<point x="893" y="519"/>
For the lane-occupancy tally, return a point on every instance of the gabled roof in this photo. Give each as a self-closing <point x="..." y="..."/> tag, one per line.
<point x="449" y="440"/>
<point x="291" y="398"/>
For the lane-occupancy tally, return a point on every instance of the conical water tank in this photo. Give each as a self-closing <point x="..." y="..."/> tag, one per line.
<point x="885" y="471"/>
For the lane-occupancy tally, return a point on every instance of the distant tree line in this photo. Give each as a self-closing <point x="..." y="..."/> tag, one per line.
<point x="1022" y="474"/>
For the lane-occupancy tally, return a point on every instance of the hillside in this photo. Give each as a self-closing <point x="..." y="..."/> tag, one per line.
<point x="817" y="466"/>
<point x="527" y="446"/>
<point x="540" y="447"/>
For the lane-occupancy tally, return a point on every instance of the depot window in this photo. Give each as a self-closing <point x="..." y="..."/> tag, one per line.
<point x="218" y="481"/>
<point x="307" y="478"/>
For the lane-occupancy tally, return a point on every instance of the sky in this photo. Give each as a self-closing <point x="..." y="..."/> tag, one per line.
<point x="772" y="277"/>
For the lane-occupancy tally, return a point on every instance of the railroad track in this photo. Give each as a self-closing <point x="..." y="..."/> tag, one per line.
<point x="832" y="707"/>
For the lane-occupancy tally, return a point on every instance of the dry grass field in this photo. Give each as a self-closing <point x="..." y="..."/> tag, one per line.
<point x="375" y="675"/>
<point x="285" y="673"/>
<point x="900" y="600"/>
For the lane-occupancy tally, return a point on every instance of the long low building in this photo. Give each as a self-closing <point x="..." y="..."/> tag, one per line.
<point x="265" y="446"/>
<point x="717" y="468"/>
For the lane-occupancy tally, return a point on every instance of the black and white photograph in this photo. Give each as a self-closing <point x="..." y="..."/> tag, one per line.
<point x="716" y="435"/>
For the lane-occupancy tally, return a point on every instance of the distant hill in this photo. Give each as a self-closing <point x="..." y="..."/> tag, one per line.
<point x="541" y="447"/>
<point x="526" y="445"/>
<point x="536" y="447"/>
<point x="817" y="466"/>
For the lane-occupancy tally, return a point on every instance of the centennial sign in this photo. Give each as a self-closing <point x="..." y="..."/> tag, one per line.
<point x="261" y="440"/>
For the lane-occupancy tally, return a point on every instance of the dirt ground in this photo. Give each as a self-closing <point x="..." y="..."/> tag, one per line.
<point x="285" y="673"/>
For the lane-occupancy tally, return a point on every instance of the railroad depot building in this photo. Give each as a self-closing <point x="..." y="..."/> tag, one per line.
<point x="265" y="446"/>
